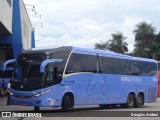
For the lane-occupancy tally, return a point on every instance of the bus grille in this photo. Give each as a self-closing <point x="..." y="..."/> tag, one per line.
<point x="22" y="97"/>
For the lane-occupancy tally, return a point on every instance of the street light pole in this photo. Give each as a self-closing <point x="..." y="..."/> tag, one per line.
<point x="153" y="56"/>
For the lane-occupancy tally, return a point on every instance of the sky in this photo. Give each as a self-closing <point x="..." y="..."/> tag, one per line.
<point x="83" y="23"/>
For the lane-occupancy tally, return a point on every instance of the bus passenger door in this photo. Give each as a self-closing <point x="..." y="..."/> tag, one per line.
<point x="52" y="78"/>
<point x="52" y="81"/>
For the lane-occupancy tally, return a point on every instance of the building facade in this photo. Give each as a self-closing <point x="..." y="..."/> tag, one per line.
<point x="16" y="31"/>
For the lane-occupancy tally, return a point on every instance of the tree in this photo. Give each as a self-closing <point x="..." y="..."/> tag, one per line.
<point x="102" y="45"/>
<point x="144" y="35"/>
<point x="118" y="44"/>
<point x="139" y="51"/>
<point x="156" y="43"/>
<point x="155" y="48"/>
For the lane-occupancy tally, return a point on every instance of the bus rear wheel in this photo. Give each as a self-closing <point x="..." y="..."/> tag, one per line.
<point x="139" y="101"/>
<point x="130" y="101"/>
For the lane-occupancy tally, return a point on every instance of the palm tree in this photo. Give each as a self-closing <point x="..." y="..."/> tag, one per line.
<point x="144" y="32"/>
<point x="102" y="45"/>
<point x="138" y="50"/>
<point x="118" y="44"/>
<point x="144" y="38"/>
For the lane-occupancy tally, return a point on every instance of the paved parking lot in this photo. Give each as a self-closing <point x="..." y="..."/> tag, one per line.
<point x="86" y="112"/>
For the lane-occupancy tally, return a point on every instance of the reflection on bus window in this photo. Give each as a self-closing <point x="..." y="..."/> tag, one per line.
<point x="127" y="67"/>
<point x="82" y="63"/>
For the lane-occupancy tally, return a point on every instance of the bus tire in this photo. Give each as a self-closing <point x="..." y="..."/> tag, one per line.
<point x="139" y="100"/>
<point x="104" y="106"/>
<point x="114" y="105"/>
<point x="36" y="108"/>
<point x="65" y="103"/>
<point x="130" y="101"/>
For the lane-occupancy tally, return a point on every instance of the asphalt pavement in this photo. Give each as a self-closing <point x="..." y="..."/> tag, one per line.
<point x="150" y="111"/>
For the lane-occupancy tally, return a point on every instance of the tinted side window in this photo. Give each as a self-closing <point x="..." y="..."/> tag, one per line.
<point x="53" y="74"/>
<point x="82" y="63"/>
<point x="152" y="68"/>
<point x="126" y="67"/>
<point x="112" y="65"/>
<point x="50" y="71"/>
<point x="60" y="55"/>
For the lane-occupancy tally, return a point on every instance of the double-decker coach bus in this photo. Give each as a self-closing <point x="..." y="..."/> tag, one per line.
<point x="69" y="76"/>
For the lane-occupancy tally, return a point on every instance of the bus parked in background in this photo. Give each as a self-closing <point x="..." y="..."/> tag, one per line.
<point x="69" y="76"/>
<point x="158" y="78"/>
<point x="6" y="72"/>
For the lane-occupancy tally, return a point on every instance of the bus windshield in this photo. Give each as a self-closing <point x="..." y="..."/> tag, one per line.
<point x="26" y="74"/>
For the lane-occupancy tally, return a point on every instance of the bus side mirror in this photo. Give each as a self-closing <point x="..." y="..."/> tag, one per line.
<point x="8" y="62"/>
<point x="44" y="63"/>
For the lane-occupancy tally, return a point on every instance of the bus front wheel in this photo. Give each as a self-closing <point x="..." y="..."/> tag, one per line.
<point x="130" y="101"/>
<point x="65" y="103"/>
<point x="139" y="101"/>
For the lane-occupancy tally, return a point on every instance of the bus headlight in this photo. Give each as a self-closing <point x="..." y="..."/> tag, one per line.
<point x="39" y="94"/>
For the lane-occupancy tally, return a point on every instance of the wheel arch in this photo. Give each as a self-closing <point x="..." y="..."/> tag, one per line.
<point x="131" y="92"/>
<point x="70" y="93"/>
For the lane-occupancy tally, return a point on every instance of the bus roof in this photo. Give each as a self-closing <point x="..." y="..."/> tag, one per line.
<point x="112" y="54"/>
<point x="87" y="50"/>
